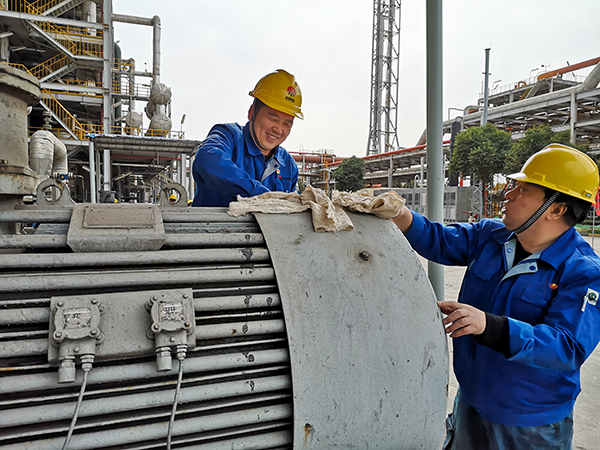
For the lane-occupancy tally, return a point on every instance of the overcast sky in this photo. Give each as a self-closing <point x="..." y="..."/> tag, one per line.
<point x="214" y="52"/>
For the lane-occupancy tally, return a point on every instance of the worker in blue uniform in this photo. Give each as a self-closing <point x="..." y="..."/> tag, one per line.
<point x="248" y="161"/>
<point x="527" y="315"/>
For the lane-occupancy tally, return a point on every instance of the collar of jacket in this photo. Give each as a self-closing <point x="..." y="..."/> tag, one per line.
<point x="554" y="254"/>
<point x="255" y="151"/>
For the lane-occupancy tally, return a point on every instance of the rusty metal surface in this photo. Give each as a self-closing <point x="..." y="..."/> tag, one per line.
<point x="367" y="348"/>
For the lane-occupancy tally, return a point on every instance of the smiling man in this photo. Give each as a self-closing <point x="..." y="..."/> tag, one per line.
<point x="527" y="315"/>
<point x="248" y="161"/>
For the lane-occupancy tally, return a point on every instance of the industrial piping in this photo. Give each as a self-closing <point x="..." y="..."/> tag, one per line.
<point x="47" y="154"/>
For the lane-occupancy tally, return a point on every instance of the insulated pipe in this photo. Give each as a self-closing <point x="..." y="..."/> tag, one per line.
<point x="156" y="49"/>
<point x="156" y="35"/>
<point x="89" y="14"/>
<point x="107" y="68"/>
<point x="47" y="154"/>
<point x="106" y="166"/>
<point x="592" y="80"/>
<point x="92" y="160"/>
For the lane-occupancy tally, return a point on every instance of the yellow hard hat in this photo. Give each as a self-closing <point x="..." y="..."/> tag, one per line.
<point x="172" y="197"/>
<point x="280" y="91"/>
<point x="562" y="169"/>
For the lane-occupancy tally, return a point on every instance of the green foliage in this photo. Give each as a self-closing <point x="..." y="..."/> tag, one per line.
<point x="533" y="141"/>
<point x="349" y="175"/>
<point x="481" y="151"/>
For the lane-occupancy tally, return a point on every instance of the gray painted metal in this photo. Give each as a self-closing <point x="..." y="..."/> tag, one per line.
<point x="369" y="361"/>
<point x="236" y="381"/>
<point x="197" y="256"/>
<point x="128" y="278"/>
<point x="435" y="153"/>
<point x="368" y="351"/>
<point x="123" y="227"/>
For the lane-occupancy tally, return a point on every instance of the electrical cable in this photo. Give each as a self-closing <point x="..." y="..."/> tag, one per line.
<point x="86" y="366"/>
<point x="181" y="353"/>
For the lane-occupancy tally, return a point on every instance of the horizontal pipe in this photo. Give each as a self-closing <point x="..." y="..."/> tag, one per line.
<point x="128" y="278"/>
<point x="18" y="241"/>
<point x="142" y="400"/>
<point x="37" y="216"/>
<point x="237" y="329"/>
<point x="157" y="431"/>
<point x="20" y="348"/>
<point x="131" y="372"/>
<point x="33" y="347"/>
<point x="237" y="302"/>
<point x="276" y="440"/>
<point x="170" y="214"/>
<point x="198" y="256"/>
<point x="214" y="240"/>
<point x="136" y="20"/>
<point x="24" y="316"/>
<point x="193" y="214"/>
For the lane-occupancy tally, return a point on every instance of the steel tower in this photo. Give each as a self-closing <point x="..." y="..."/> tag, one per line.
<point x="385" y="65"/>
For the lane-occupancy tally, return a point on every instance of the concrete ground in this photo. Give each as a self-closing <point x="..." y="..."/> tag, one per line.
<point x="587" y="407"/>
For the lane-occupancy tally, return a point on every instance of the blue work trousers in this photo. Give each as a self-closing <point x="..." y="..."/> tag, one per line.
<point x="467" y="430"/>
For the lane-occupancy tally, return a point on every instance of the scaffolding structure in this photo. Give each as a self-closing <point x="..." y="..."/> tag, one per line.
<point x="385" y="69"/>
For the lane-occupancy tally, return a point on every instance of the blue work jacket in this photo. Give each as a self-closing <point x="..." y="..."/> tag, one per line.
<point x="228" y="163"/>
<point x="550" y="301"/>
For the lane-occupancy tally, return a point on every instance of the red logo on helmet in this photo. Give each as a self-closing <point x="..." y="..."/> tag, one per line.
<point x="291" y="93"/>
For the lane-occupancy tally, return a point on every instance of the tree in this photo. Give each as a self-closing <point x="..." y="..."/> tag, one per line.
<point x="481" y="151"/>
<point x="533" y="141"/>
<point x="349" y="175"/>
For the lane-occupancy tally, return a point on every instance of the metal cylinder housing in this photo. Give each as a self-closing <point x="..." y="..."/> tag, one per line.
<point x="18" y="90"/>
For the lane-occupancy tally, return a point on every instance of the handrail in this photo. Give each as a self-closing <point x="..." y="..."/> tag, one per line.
<point x="50" y="65"/>
<point x="17" y="66"/>
<point x="79" y="48"/>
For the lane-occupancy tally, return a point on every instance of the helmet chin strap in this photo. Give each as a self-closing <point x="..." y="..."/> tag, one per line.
<point x="255" y="139"/>
<point x="536" y="215"/>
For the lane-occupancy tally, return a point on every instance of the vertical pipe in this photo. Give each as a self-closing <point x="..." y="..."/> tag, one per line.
<point x="190" y="179"/>
<point x="573" y="118"/>
<point x="107" y="66"/>
<point x="435" y="168"/>
<point x="107" y="171"/>
<point x="391" y="173"/>
<point x="181" y="169"/>
<point x="155" y="49"/>
<point x="486" y="86"/>
<point x="92" y="172"/>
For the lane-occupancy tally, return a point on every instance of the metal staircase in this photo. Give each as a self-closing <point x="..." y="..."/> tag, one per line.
<point x="74" y="128"/>
<point x="57" y="7"/>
